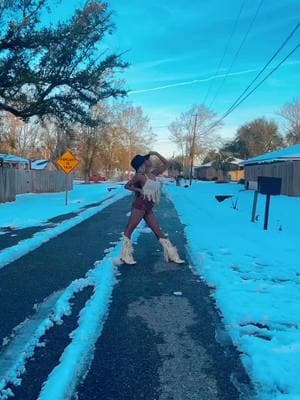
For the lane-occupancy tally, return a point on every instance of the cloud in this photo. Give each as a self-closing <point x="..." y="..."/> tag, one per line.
<point x="154" y="63"/>
<point x="192" y="82"/>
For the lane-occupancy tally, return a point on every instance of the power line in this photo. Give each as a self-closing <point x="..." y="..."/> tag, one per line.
<point x="237" y="52"/>
<point x="265" y="78"/>
<point x="241" y="98"/>
<point x="225" y="51"/>
<point x="288" y="38"/>
<point x="233" y="107"/>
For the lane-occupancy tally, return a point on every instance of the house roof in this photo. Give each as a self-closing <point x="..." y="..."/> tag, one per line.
<point x="235" y="161"/>
<point x="39" y="164"/>
<point x="11" y="158"/>
<point x="285" y="154"/>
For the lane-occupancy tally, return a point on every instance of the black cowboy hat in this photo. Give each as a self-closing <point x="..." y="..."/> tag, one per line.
<point x="139" y="160"/>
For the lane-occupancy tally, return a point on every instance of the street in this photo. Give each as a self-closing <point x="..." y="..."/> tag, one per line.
<point x="162" y="339"/>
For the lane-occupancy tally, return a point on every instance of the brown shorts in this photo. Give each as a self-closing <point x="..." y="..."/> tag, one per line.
<point x="143" y="204"/>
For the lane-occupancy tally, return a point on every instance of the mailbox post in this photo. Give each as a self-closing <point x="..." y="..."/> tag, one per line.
<point x="270" y="187"/>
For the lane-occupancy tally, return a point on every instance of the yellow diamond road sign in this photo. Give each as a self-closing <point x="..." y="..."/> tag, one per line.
<point x="67" y="162"/>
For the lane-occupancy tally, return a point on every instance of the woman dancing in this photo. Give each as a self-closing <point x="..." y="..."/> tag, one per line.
<point x="147" y="193"/>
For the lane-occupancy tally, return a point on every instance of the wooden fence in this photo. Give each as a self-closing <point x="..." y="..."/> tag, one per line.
<point x="211" y="174"/>
<point x="288" y="171"/>
<point x="7" y="184"/>
<point x="13" y="182"/>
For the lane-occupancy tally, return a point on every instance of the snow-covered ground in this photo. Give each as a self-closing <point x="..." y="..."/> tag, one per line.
<point x="254" y="276"/>
<point x="34" y="209"/>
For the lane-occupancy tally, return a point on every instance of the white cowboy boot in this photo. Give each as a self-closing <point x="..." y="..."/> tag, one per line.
<point x="127" y="251"/>
<point x="170" y="252"/>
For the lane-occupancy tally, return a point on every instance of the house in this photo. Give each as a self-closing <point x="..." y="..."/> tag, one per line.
<point x="13" y="161"/>
<point x="284" y="164"/>
<point x="207" y="172"/>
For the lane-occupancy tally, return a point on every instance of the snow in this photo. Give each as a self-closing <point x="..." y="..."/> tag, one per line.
<point x="254" y="276"/>
<point x="35" y="209"/>
<point x="287" y="153"/>
<point x="25" y="246"/>
<point x="28" y="334"/>
<point x="39" y="164"/>
<point x="235" y="161"/>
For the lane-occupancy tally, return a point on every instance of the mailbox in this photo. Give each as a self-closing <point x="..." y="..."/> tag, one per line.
<point x="269" y="186"/>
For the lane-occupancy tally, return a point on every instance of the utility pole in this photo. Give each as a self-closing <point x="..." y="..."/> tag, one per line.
<point x="192" y="154"/>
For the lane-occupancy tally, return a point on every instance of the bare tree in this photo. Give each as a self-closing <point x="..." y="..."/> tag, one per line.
<point x="16" y="137"/>
<point x="55" y="137"/>
<point x="90" y="140"/>
<point x="135" y="130"/>
<point x="290" y="112"/>
<point x="111" y="146"/>
<point x="9" y="127"/>
<point x="194" y="132"/>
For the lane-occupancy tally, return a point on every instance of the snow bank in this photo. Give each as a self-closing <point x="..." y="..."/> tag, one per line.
<point x="35" y="209"/>
<point x="254" y="276"/>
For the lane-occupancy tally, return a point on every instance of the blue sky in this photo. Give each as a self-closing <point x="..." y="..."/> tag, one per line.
<point x="174" y="47"/>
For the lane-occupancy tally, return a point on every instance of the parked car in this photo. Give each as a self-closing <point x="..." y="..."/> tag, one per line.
<point x="97" y="178"/>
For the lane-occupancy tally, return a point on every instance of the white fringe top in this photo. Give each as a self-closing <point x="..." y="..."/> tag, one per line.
<point x="151" y="190"/>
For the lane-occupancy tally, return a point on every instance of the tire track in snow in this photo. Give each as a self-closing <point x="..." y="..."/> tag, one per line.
<point x="49" y="350"/>
<point x="15" y="355"/>
<point x="77" y="357"/>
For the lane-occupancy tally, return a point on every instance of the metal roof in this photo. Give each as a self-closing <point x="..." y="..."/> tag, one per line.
<point x="39" y="164"/>
<point x="11" y="158"/>
<point x="285" y="154"/>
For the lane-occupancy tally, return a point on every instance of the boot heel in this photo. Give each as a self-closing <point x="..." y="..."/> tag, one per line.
<point x="166" y="256"/>
<point x="170" y="252"/>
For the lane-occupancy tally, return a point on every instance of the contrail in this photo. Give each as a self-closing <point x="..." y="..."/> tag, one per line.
<point x="248" y="71"/>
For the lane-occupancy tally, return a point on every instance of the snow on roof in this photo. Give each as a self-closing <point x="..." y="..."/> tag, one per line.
<point x="235" y="161"/>
<point x="11" y="158"/>
<point x="209" y="164"/>
<point x="287" y="153"/>
<point x="39" y="164"/>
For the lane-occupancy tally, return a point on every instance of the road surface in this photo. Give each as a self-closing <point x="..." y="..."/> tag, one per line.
<point x="163" y="338"/>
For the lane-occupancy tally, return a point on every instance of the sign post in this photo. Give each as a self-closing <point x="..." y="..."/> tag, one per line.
<point x="67" y="163"/>
<point x="255" y="198"/>
<point x="267" y="211"/>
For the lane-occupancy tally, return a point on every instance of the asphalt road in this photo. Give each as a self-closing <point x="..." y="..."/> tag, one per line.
<point x="159" y="339"/>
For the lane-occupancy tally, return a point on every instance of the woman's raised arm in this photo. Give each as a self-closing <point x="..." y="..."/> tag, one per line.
<point x="165" y="163"/>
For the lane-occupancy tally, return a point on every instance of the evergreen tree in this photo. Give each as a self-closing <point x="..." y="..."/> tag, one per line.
<point x="254" y="138"/>
<point x="56" y="69"/>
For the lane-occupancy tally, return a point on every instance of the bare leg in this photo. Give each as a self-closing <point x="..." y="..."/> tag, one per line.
<point x="154" y="225"/>
<point x="135" y="218"/>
